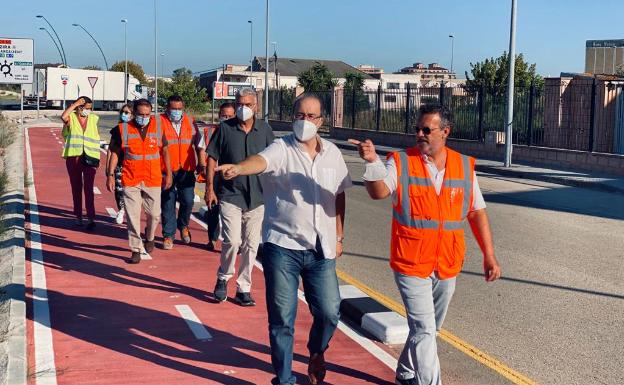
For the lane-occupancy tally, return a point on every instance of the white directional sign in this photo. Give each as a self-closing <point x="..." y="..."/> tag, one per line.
<point x="16" y="61"/>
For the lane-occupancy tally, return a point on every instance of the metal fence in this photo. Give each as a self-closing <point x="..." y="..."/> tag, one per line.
<point x="577" y="114"/>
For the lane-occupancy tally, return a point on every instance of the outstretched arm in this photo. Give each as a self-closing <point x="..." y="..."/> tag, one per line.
<point x="480" y="226"/>
<point x="255" y="164"/>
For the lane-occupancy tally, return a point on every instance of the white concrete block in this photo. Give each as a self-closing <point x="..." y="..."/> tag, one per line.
<point x="350" y="291"/>
<point x="389" y="327"/>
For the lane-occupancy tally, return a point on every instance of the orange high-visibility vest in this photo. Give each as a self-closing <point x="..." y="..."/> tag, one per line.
<point x="427" y="231"/>
<point x="209" y="131"/>
<point x="141" y="157"/>
<point x="181" y="151"/>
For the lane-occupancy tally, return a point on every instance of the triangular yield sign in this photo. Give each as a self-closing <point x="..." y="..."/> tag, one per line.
<point x="92" y="81"/>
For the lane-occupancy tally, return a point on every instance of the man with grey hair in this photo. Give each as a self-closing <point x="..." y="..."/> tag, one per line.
<point x="240" y="199"/>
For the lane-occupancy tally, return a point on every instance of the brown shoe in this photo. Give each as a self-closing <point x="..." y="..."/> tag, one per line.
<point x="149" y="246"/>
<point x="167" y="243"/>
<point x="317" y="369"/>
<point x="185" y="234"/>
<point x="135" y="258"/>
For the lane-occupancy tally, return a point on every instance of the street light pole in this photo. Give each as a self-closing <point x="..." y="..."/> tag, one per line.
<point x="54" y="41"/>
<point x="155" y="63"/>
<point x="57" y="37"/>
<point x="125" y="22"/>
<point x="266" y="69"/>
<point x="452" y="51"/>
<point x="96" y="43"/>
<point x="510" y="86"/>
<point x="250" y="51"/>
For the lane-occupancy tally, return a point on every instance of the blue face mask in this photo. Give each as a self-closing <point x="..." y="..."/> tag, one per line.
<point x="142" y="121"/>
<point x="125" y="117"/>
<point x="175" y="115"/>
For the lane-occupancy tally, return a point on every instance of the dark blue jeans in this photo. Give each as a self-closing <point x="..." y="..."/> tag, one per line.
<point x="282" y="269"/>
<point x="183" y="190"/>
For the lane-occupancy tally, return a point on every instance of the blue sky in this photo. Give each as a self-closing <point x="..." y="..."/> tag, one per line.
<point x="203" y="34"/>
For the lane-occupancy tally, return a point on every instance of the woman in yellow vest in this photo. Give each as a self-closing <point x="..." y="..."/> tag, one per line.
<point x="82" y="155"/>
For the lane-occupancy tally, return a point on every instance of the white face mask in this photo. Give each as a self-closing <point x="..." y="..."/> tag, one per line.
<point x="85" y="112"/>
<point x="304" y="130"/>
<point x="244" y="113"/>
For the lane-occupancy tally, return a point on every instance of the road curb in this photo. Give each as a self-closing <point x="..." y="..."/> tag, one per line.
<point x="511" y="173"/>
<point x="12" y="247"/>
<point x="375" y="318"/>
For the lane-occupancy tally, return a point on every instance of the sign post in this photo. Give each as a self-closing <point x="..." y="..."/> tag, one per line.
<point x="92" y="81"/>
<point x="64" y="79"/>
<point x="17" y="65"/>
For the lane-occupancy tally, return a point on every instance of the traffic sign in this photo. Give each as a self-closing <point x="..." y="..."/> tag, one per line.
<point x="64" y="82"/>
<point x="16" y="61"/>
<point x="93" y="80"/>
<point x="64" y="77"/>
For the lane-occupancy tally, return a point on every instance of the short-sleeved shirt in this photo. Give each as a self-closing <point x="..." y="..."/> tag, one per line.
<point x="300" y="195"/>
<point x="230" y="145"/>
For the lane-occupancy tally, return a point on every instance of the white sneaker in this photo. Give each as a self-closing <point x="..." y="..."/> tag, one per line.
<point x="120" y="216"/>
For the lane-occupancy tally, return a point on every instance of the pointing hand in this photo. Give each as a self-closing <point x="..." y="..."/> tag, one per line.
<point x="366" y="149"/>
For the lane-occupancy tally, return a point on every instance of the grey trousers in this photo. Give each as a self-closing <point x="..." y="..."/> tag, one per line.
<point x="137" y="198"/>
<point x="426" y="301"/>
<point x="241" y="232"/>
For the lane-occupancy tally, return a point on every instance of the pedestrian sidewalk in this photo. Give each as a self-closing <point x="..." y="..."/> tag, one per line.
<point x="591" y="180"/>
<point x="93" y="319"/>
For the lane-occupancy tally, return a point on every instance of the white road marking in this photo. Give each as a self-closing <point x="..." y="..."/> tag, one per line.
<point x="45" y="368"/>
<point x="96" y="191"/>
<point x="111" y="212"/>
<point x="383" y="356"/>
<point x="198" y="329"/>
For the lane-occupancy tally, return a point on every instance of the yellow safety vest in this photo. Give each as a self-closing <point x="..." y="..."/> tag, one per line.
<point x="78" y="141"/>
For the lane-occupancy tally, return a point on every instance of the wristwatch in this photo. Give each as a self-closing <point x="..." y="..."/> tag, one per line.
<point x="339" y="239"/>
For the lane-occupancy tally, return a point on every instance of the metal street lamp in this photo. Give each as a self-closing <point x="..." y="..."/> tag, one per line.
<point x="54" y="41"/>
<point x="510" y="86"/>
<point x="57" y="37"/>
<point x="155" y="62"/>
<point x="125" y="23"/>
<point x="96" y="43"/>
<point x="250" y="51"/>
<point x="162" y="66"/>
<point x="452" y="51"/>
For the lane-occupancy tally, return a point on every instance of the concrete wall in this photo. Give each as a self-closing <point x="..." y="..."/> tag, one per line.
<point x="547" y="157"/>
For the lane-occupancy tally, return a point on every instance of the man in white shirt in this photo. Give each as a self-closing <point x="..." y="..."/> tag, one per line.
<point x="304" y="179"/>
<point x="433" y="189"/>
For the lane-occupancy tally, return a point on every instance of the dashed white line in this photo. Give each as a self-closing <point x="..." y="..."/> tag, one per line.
<point x="96" y="191"/>
<point x="45" y="368"/>
<point x="197" y="328"/>
<point x="111" y="212"/>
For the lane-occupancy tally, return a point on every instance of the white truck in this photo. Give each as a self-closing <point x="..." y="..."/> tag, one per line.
<point x="106" y="88"/>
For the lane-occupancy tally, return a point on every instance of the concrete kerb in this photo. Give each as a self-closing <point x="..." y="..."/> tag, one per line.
<point x="12" y="250"/>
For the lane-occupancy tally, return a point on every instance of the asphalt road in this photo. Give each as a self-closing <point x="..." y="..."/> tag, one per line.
<point x="557" y="316"/>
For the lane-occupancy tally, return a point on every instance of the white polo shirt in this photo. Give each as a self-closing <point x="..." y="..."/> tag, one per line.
<point x="300" y="195"/>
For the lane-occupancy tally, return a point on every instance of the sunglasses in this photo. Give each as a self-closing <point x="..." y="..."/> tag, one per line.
<point x="426" y="130"/>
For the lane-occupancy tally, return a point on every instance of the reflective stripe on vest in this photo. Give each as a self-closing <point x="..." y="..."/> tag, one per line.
<point x="182" y="155"/>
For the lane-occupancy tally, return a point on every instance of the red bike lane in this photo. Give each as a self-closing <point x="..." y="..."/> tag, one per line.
<point x="151" y="323"/>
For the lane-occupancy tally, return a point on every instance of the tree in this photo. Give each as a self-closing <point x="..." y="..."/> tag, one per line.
<point x="354" y="93"/>
<point x="317" y="78"/>
<point x="187" y="86"/>
<point x="134" y="69"/>
<point x="492" y="74"/>
<point x="93" y="67"/>
<point x="619" y="71"/>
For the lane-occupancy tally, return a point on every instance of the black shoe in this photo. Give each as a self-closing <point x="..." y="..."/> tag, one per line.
<point x="135" y="258"/>
<point x="90" y="226"/>
<point x="244" y="299"/>
<point x="210" y="246"/>
<point x="148" y="246"/>
<point x="220" y="290"/>
<point x="409" y="381"/>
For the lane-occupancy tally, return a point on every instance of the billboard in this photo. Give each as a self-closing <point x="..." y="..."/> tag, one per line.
<point x="227" y="90"/>
<point x="16" y="61"/>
